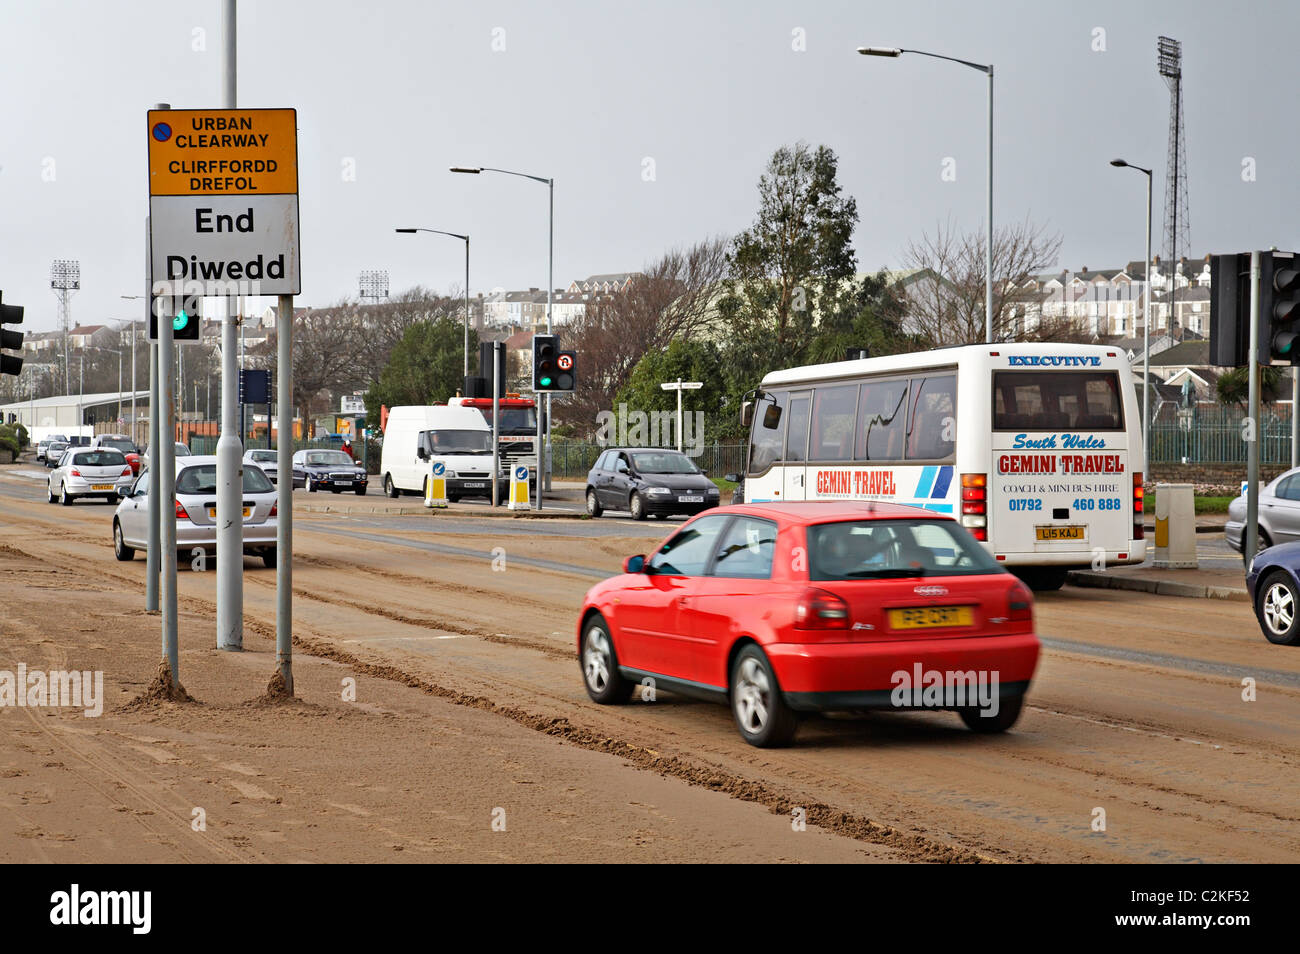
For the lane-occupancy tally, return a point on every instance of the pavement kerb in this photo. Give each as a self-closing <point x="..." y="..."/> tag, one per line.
<point x="1113" y="581"/>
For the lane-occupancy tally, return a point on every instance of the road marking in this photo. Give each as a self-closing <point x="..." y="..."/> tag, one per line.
<point x="1167" y="661"/>
<point x="1127" y="728"/>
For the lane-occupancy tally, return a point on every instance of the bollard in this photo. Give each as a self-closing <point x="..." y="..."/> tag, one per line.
<point x="1175" y="527"/>
<point x="519" y="489"/>
<point x="435" y="485"/>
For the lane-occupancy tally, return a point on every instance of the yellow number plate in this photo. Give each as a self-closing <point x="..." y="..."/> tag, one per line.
<point x="212" y="513"/>
<point x="924" y="617"/>
<point x="101" y="487"/>
<point x="1061" y="533"/>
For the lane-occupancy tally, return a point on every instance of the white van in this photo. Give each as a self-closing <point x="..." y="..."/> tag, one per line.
<point x="458" y="436"/>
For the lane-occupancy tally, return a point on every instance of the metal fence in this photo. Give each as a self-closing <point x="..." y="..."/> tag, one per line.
<point x="573" y="459"/>
<point x="1217" y="435"/>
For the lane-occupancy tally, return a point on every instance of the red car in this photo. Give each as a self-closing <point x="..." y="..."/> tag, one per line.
<point x="783" y="609"/>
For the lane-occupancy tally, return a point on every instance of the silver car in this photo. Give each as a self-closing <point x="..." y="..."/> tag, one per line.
<point x="1278" y="518"/>
<point x="266" y="458"/>
<point x="196" y="511"/>
<point x="99" y="472"/>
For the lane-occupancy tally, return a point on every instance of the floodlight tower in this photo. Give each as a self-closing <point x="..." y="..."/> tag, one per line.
<point x="374" y="284"/>
<point x="65" y="278"/>
<point x="1169" y="63"/>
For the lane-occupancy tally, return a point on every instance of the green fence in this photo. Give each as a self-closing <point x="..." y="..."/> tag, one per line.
<point x="571" y="460"/>
<point x="1218" y="436"/>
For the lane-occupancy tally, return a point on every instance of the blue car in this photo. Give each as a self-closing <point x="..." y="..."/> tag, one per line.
<point x="1274" y="584"/>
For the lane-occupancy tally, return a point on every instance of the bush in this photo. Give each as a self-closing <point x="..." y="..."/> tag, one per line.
<point x="8" y="448"/>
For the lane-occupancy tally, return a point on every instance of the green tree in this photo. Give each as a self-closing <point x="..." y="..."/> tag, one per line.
<point x="690" y="360"/>
<point x="1233" y="387"/>
<point x="425" y="367"/>
<point x="796" y="256"/>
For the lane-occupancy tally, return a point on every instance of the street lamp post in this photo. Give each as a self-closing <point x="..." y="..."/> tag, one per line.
<point x="1146" y="329"/>
<point x="679" y="386"/>
<point x="542" y="468"/>
<point x="465" y="239"/>
<point x="988" y="250"/>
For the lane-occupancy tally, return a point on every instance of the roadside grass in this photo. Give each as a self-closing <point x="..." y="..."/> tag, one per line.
<point x="1207" y="504"/>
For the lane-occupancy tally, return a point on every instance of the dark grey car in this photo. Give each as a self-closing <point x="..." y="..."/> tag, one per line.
<point x="648" y="482"/>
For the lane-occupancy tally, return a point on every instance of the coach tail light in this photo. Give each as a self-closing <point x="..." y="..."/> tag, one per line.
<point x="974" y="504"/>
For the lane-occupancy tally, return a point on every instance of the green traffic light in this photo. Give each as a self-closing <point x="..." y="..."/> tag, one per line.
<point x="180" y="321"/>
<point x="545" y="382"/>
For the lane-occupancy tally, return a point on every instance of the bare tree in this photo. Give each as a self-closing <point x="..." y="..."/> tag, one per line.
<point x="946" y="299"/>
<point x="672" y="298"/>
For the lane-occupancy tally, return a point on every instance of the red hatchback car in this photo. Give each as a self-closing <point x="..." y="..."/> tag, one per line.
<point x="782" y="609"/>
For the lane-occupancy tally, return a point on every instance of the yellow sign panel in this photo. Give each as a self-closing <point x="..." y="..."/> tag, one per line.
<point x="223" y="151"/>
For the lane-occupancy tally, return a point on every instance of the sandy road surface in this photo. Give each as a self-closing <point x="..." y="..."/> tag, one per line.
<point x="469" y="698"/>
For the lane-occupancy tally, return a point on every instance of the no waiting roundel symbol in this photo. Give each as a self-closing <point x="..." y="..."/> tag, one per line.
<point x="566" y="362"/>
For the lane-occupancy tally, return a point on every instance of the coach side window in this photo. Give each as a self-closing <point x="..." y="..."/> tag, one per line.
<point x="832" y="423"/>
<point x="882" y="418"/>
<point x="932" y="429"/>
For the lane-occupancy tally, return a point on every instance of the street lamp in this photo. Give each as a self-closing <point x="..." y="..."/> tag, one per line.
<point x="133" y="411"/>
<point x="465" y="239"/>
<point x="1146" y="327"/>
<point x="894" y="52"/>
<point x="550" y="289"/>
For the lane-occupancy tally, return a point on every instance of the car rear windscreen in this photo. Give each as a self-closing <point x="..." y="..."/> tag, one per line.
<point x="100" y="458"/>
<point x="202" y="479"/>
<point x="880" y="549"/>
<point x="1057" y="401"/>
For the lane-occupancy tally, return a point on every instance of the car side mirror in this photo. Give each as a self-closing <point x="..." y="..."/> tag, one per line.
<point x="634" y="564"/>
<point x="421" y="453"/>
<point x="732" y="478"/>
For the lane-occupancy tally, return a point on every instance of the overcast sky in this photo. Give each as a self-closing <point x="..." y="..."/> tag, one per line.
<point x="654" y="118"/>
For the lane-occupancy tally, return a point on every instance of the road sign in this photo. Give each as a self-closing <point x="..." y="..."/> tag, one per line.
<point x="352" y="405"/>
<point x="223" y="201"/>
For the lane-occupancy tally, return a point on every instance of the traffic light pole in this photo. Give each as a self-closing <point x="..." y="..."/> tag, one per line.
<point x="1252" y="446"/>
<point x="163" y="486"/>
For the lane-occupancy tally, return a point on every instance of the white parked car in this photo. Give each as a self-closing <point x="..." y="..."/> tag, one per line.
<point x="196" y="511"/>
<point x="99" y="472"/>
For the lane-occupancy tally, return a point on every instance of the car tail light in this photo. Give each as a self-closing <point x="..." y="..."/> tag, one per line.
<point x="974" y="504"/>
<point x="126" y="471"/>
<point x="74" y="472"/>
<point x="181" y="513"/>
<point x="275" y="508"/>
<point x="818" y="609"/>
<point x="1139" y="494"/>
<point x="1020" y="602"/>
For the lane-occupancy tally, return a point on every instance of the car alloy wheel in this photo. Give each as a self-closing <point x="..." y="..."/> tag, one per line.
<point x="637" y="506"/>
<point x="599" y="667"/>
<point x="761" y="715"/>
<point x="388" y="486"/>
<point x="63" y="495"/>
<point x="120" y="549"/>
<point x="1278" y="609"/>
<point x="311" y="485"/>
<point x="50" y="493"/>
<point x="593" y="505"/>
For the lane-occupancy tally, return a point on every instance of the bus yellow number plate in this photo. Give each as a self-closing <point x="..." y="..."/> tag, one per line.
<point x="1062" y="533"/>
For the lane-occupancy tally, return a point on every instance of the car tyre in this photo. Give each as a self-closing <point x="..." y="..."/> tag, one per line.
<point x="269" y="557"/>
<point x="1008" y="712"/>
<point x="593" y="505"/>
<point x="54" y="498"/>
<point x="64" y="498"/>
<point x="757" y="705"/>
<point x="389" y="487"/>
<point x="599" y="662"/>
<point x="1278" y="607"/>
<point x="637" y="506"/>
<point x="361" y="491"/>
<point x="336" y="490"/>
<point x="120" y="549"/>
<point x="1044" y="579"/>
<point x="311" y="485"/>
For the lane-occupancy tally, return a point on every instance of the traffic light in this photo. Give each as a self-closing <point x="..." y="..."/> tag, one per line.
<point x="546" y="351"/>
<point x="1279" y="305"/>
<point x="184" y="312"/>
<point x="567" y="374"/>
<point x="1229" y="309"/>
<point x="11" y="340"/>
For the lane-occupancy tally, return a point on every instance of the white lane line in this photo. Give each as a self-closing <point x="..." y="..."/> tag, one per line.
<point x="1127" y="728"/>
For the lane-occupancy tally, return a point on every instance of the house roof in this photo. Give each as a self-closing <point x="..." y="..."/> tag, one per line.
<point x="1189" y="354"/>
